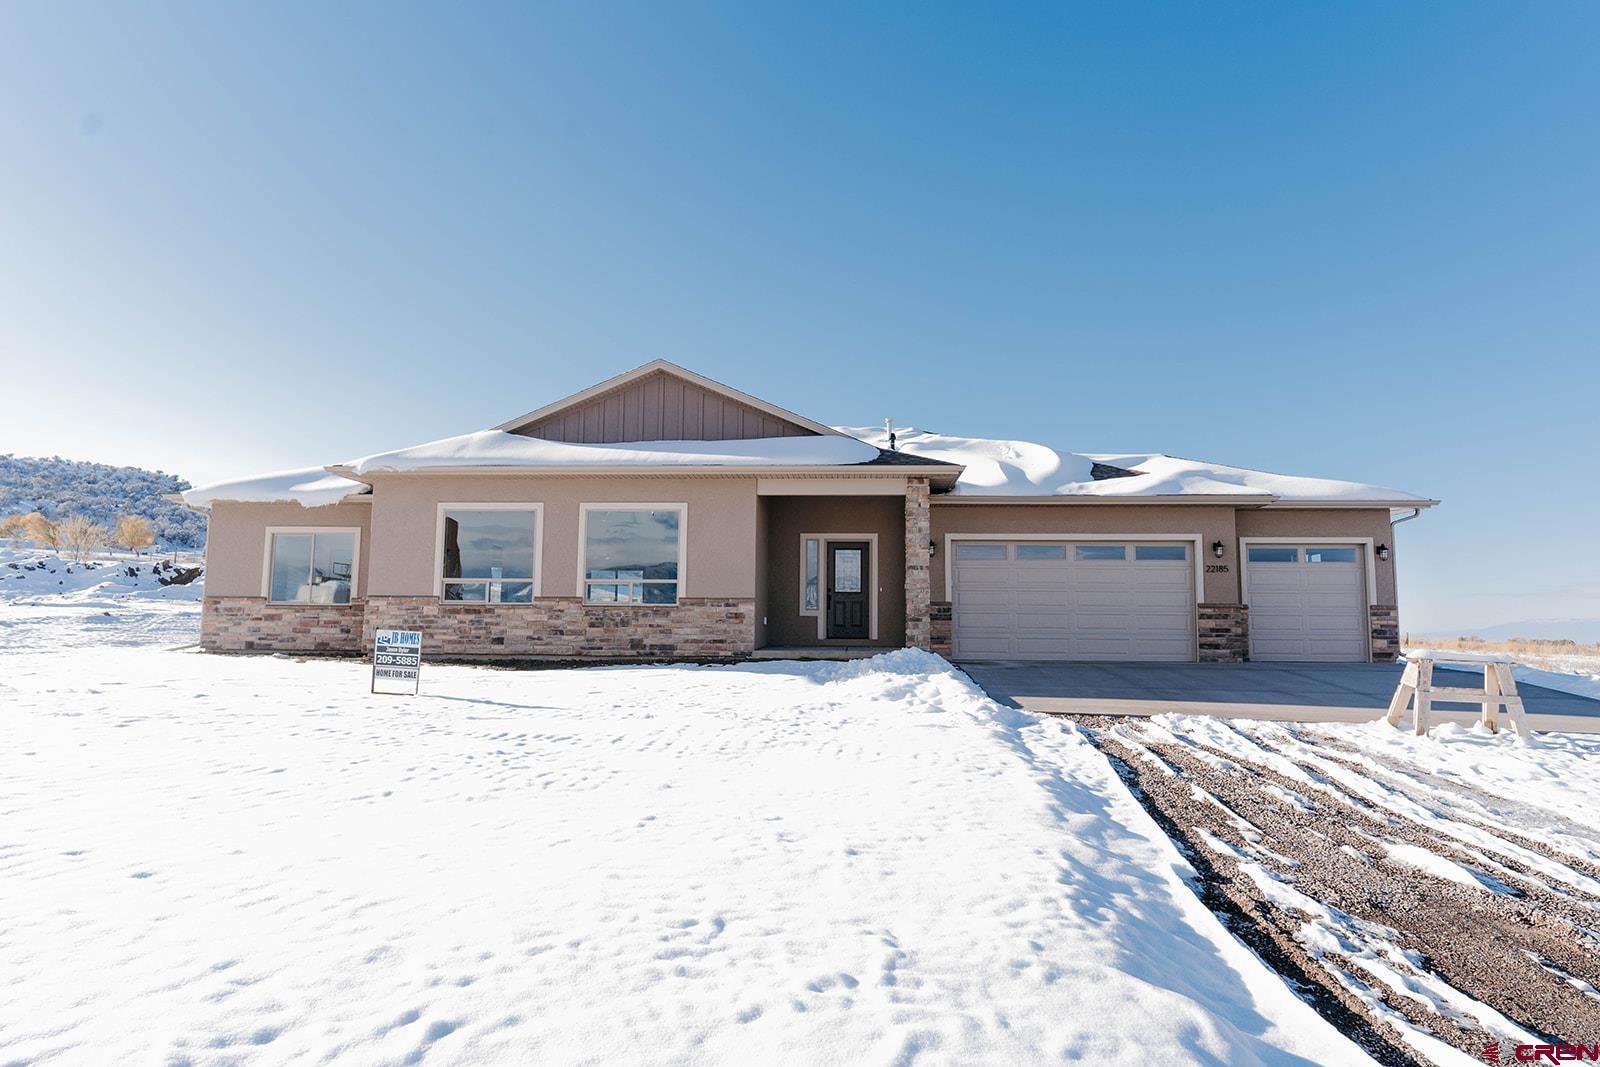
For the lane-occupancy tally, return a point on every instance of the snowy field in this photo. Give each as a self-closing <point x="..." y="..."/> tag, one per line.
<point x="209" y="860"/>
<point x="250" y="860"/>
<point x="47" y="602"/>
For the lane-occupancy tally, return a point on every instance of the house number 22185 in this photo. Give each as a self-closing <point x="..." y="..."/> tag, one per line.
<point x="1216" y="568"/>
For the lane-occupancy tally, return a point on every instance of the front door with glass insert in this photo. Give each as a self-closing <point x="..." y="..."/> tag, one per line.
<point x="848" y="572"/>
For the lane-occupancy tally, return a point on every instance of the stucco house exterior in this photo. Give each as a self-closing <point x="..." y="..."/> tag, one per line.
<point x="660" y="514"/>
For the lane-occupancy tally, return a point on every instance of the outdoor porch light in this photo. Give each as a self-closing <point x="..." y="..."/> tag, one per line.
<point x="1217" y="548"/>
<point x="1383" y="553"/>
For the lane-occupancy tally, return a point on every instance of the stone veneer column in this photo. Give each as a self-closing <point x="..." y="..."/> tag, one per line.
<point x="1385" y="632"/>
<point x="1224" y="631"/>
<point x="919" y="562"/>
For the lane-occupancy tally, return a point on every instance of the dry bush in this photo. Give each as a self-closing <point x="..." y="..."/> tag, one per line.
<point x="134" y="533"/>
<point x="82" y="536"/>
<point x="14" y="527"/>
<point x="44" y="532"/>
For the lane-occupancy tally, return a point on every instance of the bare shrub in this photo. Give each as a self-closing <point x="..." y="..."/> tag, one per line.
<point x="82" y="536"/>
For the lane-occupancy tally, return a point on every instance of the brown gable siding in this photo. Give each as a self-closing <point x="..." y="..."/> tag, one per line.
<point x="660" y="407"/>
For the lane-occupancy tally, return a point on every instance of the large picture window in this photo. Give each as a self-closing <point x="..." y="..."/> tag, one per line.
<point x="632" y="554"/>
<point x="311" y="566"/>
<point x="487" y="554"/>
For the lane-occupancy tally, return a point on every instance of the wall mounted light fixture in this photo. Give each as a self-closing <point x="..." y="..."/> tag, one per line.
<point x="1383" y="553"/>
<point x="1217" y="548"/>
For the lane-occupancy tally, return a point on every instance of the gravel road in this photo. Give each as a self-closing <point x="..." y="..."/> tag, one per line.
<point x="1409" y="904"/>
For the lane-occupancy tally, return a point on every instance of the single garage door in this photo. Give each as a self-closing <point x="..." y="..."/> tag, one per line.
<point x="1071" y="600"/>
<point x="1307" y="602"/>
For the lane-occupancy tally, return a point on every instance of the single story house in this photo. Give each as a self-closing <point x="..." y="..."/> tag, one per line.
<point x="662" y="514"/>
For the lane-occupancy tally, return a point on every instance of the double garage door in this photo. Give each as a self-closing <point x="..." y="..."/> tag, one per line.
<point x="1096" y="600"/>
<point x="1071" y="600"/>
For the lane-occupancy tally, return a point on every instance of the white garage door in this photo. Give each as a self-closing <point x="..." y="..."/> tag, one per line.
<point x="1307" y="602"/>
<point x="1073" y="600"/>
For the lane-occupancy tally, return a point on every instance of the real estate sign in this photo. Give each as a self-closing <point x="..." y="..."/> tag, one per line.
<point x="396" y="661"/>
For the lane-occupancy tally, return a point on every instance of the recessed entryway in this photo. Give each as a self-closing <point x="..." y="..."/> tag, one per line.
<point x="849" y="600"/>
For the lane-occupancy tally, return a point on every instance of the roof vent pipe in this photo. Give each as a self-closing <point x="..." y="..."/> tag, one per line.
<point x="888" y="424"/>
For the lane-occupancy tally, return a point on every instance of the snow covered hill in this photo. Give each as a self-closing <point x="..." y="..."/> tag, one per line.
<point x="60" y="487"/>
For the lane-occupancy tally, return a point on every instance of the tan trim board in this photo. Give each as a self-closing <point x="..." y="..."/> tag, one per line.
<point x="885" y="486"/>
<point x="844" y="472"/>
<point x="1232" y="500"/>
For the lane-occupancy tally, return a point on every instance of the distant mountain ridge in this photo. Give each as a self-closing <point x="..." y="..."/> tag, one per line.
<point x="1583" y="631"/>
<point x="61" y="487"/>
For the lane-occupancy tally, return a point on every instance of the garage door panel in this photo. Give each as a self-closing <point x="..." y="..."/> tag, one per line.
<point x="1302" y="610"/>
<point x="1072" y="608"/>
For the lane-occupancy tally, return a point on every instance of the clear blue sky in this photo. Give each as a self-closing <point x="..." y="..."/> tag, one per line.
<point x="1353" y="240"/>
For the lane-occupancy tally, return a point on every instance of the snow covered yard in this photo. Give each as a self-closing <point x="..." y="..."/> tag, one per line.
<point x="1433" y="894"/>
<point x="209" y="859"/>
<point x="47" y="602"/>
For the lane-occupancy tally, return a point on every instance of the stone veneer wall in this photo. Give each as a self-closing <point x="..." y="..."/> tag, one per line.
<point x="250" y="624"/>
<point x="1224" y="631"/>
<point x="919" y="563"/>
<point x="1385" y="620"/>
<point x="567" y="628"/>
<point x="942" y="617"/>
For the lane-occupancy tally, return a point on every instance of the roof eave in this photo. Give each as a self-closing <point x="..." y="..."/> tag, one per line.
<point x="1250" y="500"/>
<point x="845" y="470"/>
<point x="1282" y="504"/>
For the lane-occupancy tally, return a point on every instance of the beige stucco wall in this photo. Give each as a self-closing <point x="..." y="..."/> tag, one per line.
<point x="236" y="541"/>
<point x="1313" y="523"/>
<point x="721" y="525"/>
<point x="1066" y="520"/>
<point x="789" y="518"/>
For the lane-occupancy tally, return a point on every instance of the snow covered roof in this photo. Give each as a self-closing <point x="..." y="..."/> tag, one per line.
<point x="996" y="468"/>
<point x="309" y="486"/>
<point x="496" y="448"/>
<point x="991" y="468"/>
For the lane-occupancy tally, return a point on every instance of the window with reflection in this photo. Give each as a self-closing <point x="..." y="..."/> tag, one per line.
<point x="631" y="556"/>
<point x="809" y="573"/>
<point x="488" y="555"/>
<point x="313" y="567"/>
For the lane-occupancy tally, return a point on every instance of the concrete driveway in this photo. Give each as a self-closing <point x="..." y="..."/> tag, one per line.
<point x="1289" y="692"/>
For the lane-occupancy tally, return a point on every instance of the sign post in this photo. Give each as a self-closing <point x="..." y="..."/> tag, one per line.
<point x="396" y="661"/>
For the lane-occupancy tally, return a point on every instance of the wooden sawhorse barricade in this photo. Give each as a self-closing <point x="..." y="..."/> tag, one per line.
<point x="1417" y="688"/>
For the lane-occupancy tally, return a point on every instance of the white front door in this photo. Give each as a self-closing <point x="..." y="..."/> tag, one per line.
<point x="1307" y="602"/>
<point x="1066" y="600"/>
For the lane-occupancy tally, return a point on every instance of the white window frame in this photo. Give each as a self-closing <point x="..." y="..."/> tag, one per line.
<point x="822" y="567"/>
<point x="583" y="551"/>
<point x="498" y="505"/>
<point x="266" y="562"/>
<point x="821" y="613"/>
